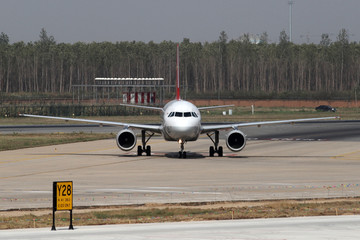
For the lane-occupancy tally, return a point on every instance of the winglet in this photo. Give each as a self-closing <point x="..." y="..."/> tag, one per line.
<point x="177" y="74"/>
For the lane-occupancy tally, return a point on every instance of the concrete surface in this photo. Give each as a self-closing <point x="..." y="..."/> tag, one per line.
<point x="104" y="175"/>
<point x="333" y="227"/>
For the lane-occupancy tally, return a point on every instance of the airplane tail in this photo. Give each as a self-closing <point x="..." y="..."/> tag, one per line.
<point x="177" y="74"/>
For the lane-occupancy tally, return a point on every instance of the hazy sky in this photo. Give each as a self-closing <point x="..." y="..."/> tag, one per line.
<point x="158" y="20"/>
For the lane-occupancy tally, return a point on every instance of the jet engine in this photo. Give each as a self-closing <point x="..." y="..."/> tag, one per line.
<point x="236" y="140"/>
<point x="126" y="140"/>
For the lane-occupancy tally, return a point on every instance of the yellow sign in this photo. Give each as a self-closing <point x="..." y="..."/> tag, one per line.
<point x="64" y="195"/>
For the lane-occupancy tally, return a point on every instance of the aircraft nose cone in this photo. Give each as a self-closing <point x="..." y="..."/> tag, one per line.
<point x="184" y="133"/>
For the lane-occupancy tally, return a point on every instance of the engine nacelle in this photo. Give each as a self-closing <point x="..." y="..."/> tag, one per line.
<point x="126" y="140"/>
<point x="236" y="140"/>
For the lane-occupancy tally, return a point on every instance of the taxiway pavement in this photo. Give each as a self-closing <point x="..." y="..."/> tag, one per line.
<point x="268" y="168"/>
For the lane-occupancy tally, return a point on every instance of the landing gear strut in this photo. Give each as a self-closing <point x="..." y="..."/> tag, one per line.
<point x="216" y="148"/>
<point x="144" y="141"/>
<point x="182" y="153"/>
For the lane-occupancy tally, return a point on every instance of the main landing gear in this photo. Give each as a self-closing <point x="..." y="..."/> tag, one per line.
<point x="144" y="141"/>
<point x="216" y="148"/>
<point x="182" y="153"/>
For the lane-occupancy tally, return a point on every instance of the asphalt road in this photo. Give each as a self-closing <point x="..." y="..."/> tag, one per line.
<point x="334" y="227"/>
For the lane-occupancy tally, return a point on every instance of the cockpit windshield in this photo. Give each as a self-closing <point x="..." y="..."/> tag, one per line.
<point x="183" y="114"/>
<point x="187" y="114"/>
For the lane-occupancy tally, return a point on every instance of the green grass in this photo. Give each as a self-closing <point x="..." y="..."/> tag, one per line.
<point x="274" y="113"/>
<point x="19" y="141"/>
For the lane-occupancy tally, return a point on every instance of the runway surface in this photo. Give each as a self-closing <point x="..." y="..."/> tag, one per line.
<point x="285" y="166"/>
<point x="336" y="227"/>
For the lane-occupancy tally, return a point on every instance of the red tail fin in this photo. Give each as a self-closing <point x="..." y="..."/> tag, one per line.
<point x="177" y="74"/>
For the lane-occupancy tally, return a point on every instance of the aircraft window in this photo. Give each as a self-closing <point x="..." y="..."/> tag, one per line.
<point x="194" y="114"/>
<point x="171" y="114"/>
<point x="178" y="114"/>
<point x="187" y="114"/>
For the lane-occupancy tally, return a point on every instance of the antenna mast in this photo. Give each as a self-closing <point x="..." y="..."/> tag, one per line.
<point x="291" y="2"/>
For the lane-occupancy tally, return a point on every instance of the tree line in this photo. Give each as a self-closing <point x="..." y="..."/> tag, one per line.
<point x="227" y="67"/>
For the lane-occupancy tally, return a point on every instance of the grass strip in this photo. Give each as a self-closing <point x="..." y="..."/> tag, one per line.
<point x="179" y="212"/>
<point x="19" y="141"/>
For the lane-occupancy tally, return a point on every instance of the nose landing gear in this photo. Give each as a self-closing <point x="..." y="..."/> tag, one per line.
<point x="182" y="153"/>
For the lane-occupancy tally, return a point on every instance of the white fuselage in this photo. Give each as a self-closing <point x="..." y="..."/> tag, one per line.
<point x="181" y="121"/>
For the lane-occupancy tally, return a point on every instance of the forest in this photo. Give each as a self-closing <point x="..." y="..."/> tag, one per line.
<point x="223" y="68"/>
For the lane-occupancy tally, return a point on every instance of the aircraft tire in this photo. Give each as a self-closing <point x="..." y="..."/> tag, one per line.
<point x="148" y="151"/>
<point x="211" y="151"/>
<point x="139" y="151"/>
<point x="220" y="151"/>
<point x="184" y="155"/>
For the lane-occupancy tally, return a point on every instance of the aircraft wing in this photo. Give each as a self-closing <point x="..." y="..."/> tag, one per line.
<point x="142" y="106"/>
<point x="156" y="128"/>
<point x="214" y="127"/>
<point x="212" y="107"/>
<point x="161" y="109"/>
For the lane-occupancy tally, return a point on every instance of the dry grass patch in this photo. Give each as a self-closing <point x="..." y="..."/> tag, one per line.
<point x="152" y="213"/>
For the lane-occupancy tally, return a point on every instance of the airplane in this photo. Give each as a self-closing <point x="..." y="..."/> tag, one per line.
<point x="181" y="122"/>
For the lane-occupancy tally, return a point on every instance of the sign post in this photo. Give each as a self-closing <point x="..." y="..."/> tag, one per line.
<point x="62" y="199"/>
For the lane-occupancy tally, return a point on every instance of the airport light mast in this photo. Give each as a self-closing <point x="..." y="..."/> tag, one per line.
<point x="291" y="2"/>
